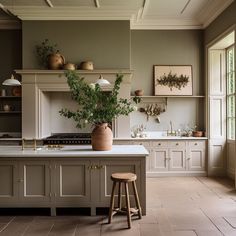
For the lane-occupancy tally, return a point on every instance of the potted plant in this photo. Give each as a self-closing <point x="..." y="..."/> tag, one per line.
<point x="97" y="108"/>
<point x="49" y="56"/>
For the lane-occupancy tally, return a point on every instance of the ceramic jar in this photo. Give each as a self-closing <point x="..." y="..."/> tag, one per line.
<point x="102" y="138"/>
<point x="56" y="61"/>
<point x="86" y="65"/>
<point x="69" y="66"/>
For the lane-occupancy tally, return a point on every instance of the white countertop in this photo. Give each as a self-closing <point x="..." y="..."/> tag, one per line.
<point x="162" y="138"/>
<point x="74" y="151"/>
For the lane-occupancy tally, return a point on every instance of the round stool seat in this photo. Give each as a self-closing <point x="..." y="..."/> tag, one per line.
<point x="124" y="177"/>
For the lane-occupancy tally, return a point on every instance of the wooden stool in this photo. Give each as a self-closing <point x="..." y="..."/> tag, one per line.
<point x="124" y="178"/>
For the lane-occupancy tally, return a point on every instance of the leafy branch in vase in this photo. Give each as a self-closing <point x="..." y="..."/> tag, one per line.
<point x="173" y="80"/>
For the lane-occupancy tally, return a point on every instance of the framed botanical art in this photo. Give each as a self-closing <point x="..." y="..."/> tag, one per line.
<point x="173" y="80"/>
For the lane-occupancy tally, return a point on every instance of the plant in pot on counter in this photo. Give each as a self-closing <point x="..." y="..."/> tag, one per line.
<point x="49" y="56"/>
<point x="97" y="108"/>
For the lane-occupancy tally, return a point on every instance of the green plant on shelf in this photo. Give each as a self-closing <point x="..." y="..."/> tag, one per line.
<point x="173" y="80"/>
<point x="43" y="50"/>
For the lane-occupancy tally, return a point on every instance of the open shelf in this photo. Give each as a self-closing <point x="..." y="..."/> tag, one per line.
<point x="6" y="97"/>
<point x="10" y="112"/>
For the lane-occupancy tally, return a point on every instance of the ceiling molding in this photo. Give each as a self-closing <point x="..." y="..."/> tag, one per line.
<point x="185" y="6"/>
<point x="144" y="8"/>
<point x="72" y="13"/>
<point x="49" y="3"/>
<point x="138" y="14"/>
<point x="208" y="16"/>
<point x="97" y="3"/>
<point x="5" y="10"/>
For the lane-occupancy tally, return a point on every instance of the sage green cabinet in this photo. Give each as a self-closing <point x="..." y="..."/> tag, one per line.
<point x="72" y="181"/>
<point x="8" y="181"/>
<point x="173" y="157"/>
<point x="66" y="182"/>
<point x="34" y="181"/>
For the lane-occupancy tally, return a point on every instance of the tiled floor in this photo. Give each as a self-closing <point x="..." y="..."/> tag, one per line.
<point x="177" y="206"/>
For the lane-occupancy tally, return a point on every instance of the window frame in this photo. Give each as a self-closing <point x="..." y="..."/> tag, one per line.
<point x="230" y="118"/>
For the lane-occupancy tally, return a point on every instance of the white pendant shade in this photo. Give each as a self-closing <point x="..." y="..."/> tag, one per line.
<point x="101" y="81"/>
<point x="11" y="82"/>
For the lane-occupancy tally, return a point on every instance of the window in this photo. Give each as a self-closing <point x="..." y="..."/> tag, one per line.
<point x="230" y="78"/>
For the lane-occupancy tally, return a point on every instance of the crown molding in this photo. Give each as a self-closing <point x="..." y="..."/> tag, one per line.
<point x="137" y="16"/>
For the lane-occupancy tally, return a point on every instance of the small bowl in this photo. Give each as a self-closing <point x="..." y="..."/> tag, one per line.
<point x="69" y="66"/>
<point x="138" y="92"/>
<point x="197" y="133"/>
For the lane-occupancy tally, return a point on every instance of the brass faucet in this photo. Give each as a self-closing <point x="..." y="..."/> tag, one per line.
<point x="171" y="132"/>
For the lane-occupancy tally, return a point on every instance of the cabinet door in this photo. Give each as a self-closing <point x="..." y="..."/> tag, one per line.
<point x="8" y="182"/>
<point x="159" y="160"/>
<point x="117" y="166"/>
<point x="34" y="181"/>
<point x="196" y="159"/>
<point x="177" y="159"/>
<point x="147" y="145"/>
<point x="72" y="180"/>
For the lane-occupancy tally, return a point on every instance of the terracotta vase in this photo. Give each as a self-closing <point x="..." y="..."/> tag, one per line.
<point x="56" y="61"/>
<point x="102" y="138"/>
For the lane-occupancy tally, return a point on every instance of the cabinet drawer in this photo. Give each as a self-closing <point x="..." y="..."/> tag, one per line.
<point x="196" y="144"/>
<point x="160" y="144"/>
<point x="122" y="142"/>
<point x="176" y="144"/>
<point x="144" y="143"/>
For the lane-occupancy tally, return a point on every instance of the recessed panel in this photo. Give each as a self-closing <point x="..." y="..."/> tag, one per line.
<point x="73" y="3"/>
<point x="216" y="118"/>
<point x="177" y="160"/>
<point x="35" y="182"/>
<point x="196" y="159"/>
<point x="216" y="72"/>
<point x="217" y="156"/>
<point x="164" y="8"/>
<point x="6" y="180"/>
<point x="160" y="160"/>
<point x="72" y="180"/>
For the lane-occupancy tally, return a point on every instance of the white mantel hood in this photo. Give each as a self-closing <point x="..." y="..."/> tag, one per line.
<point x="38" y="120"/>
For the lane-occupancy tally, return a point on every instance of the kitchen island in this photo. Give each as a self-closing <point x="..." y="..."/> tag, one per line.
<point x="73" y="176"/>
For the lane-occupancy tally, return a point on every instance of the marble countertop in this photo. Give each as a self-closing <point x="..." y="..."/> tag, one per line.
<point x="73" y="151"/>
<point x="162" y="138"/>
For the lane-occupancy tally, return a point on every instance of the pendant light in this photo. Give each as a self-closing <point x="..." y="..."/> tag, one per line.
<point x="11" y="82"/>
<point x="102" y="82"/>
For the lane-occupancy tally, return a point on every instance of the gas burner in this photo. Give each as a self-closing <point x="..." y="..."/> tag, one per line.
<point x="68" y="139"/>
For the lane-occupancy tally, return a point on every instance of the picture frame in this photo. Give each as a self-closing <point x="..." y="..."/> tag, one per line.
<point x="175" y="80"/>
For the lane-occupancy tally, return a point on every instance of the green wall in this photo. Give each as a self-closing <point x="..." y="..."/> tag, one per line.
<point x="166" y="47"/>
<point x="226" y="19"/>
<point x="106" y="43"/>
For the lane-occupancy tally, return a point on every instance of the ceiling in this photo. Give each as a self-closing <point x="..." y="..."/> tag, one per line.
<point x="143" y="14"/>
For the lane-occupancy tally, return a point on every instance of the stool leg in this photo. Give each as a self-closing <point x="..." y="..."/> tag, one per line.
<point x="137" y="199"/>
<point x="127" y="205"/>
<point x="112" y="202"/>
<point x="120" y="196"/>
